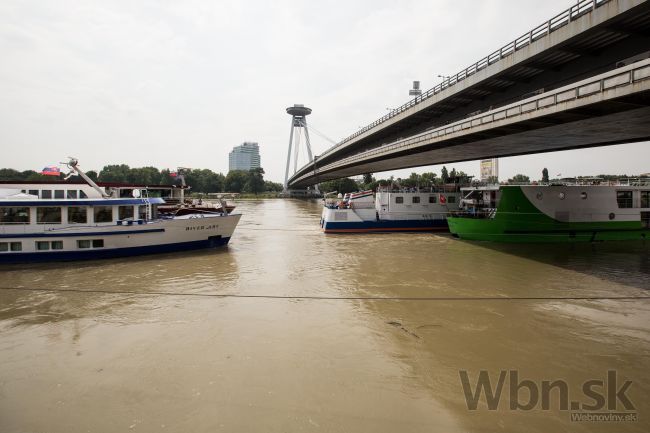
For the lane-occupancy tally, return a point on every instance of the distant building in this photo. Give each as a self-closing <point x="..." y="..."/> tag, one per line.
<point x="489" y="169"/>
<point x="244" y="157"/>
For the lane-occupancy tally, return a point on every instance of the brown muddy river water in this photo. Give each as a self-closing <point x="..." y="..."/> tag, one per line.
<point x="291" y="330"/>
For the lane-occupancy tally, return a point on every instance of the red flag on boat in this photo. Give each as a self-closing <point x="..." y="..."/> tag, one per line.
<point x="52" y="170"/>
<point x="173" y="174"/>
<point x="443" y="199"/>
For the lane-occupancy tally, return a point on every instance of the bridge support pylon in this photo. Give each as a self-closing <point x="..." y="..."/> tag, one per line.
<point x="299" y="115"/>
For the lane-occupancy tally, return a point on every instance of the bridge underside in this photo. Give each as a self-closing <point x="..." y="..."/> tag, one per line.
<point x="604" y="123"/>
<point x="599" y="42"/>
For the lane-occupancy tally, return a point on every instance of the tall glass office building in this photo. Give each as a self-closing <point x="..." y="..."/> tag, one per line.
<point x="244" y="157"/>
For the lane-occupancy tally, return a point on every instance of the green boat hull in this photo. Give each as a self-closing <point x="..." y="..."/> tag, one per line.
<point x="518" y="220"/>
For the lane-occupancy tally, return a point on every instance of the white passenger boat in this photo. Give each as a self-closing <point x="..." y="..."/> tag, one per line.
<point x="390" y="210"/>
<point x="68" y="221"/>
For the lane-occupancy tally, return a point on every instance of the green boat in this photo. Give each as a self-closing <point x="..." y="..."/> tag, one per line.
<point x="553" y="213"/>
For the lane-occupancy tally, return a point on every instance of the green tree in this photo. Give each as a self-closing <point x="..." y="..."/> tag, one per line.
<point x="519" y="178"/>
<point x="367" y="178"/>
<point x="114" y="173"/>
<point x="492" y="180"/>
<point x="255" y="181"/>
<point x="272" y="186"/>
<point x="236" y="180"/>
<point x="545" y="175"/>
<point x="31" y="175"/>
<point x="428" y="178"/>
<point x="444" y="175"/>
<point x="10" y="174"/>
<point x="143" y="176"/>
<point x="342" y="186"/>
<point x="204" y="180"/>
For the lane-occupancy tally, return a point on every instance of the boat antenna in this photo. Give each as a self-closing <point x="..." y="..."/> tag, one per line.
<point x="74" y="169"/>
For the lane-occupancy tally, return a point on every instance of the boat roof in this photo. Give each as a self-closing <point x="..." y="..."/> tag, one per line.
<point x="81" y="182"/>
<point x="12" y="201"/>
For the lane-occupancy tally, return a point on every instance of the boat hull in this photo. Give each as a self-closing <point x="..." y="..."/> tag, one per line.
<point x="159" y="236"/>
<point x="525" y="215"/>
<point x="385" y="226"/>
<point x="62" y="256"/>
<point x="498" y="231"/>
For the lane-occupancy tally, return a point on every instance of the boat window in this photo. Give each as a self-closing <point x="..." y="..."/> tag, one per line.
<point x="33" y="192"/>
<point x="645" y="198"/>
<point x="583" y="195"/>
<point x="432" y="199"/>
<point x="59" y="193"/>
<point x="416" y="199"/>
<point x="48" y="215"/>
<point x="142" y="212"/>
<point x="624" y="199"/>
<point x="13" y="246"/>
<point x="451" y="199"/>
<point x="77" y="215"/>
<point x="57" y="245"/>
<point x="82" y="194"/>
<point x="103" y="214"/>
<point x="42" y="245"/>
<point x="399" y="200"/>
<point x="98" y="243"/>
<point x="72" y="194"/>
<point x="46" y="193"/>
<point x="125" y="212"/>
<point x="14" y="215"/>
<point x="84" y="243"/>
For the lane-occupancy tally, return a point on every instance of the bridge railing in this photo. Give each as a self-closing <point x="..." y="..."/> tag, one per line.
<point x="614" y="79"/>
<point x="579" y="9"/>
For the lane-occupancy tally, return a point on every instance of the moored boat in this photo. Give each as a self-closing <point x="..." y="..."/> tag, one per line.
<point x="50" y="222"/>
<point x="390" y="210"/>
<point x="553" y="213"/>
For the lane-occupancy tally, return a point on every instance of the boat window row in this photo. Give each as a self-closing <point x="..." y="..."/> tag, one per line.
<point x="10" y="246"/>
<point x="58" y="245"/>
<point x="625" y="199"/>
<point x="71" y="194"/>
<point x="49" y="245"/>
<point x="76" y="214"/>
<point x="432" y="199"/>
<point x="90" y="243"/>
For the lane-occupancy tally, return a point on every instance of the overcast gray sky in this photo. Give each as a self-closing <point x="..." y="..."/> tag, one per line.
<point x="179" y="83"/>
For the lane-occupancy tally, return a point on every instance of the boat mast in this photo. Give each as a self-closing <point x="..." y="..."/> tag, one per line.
<point x="180" y="173"/>
<point x="72" y="164"/>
